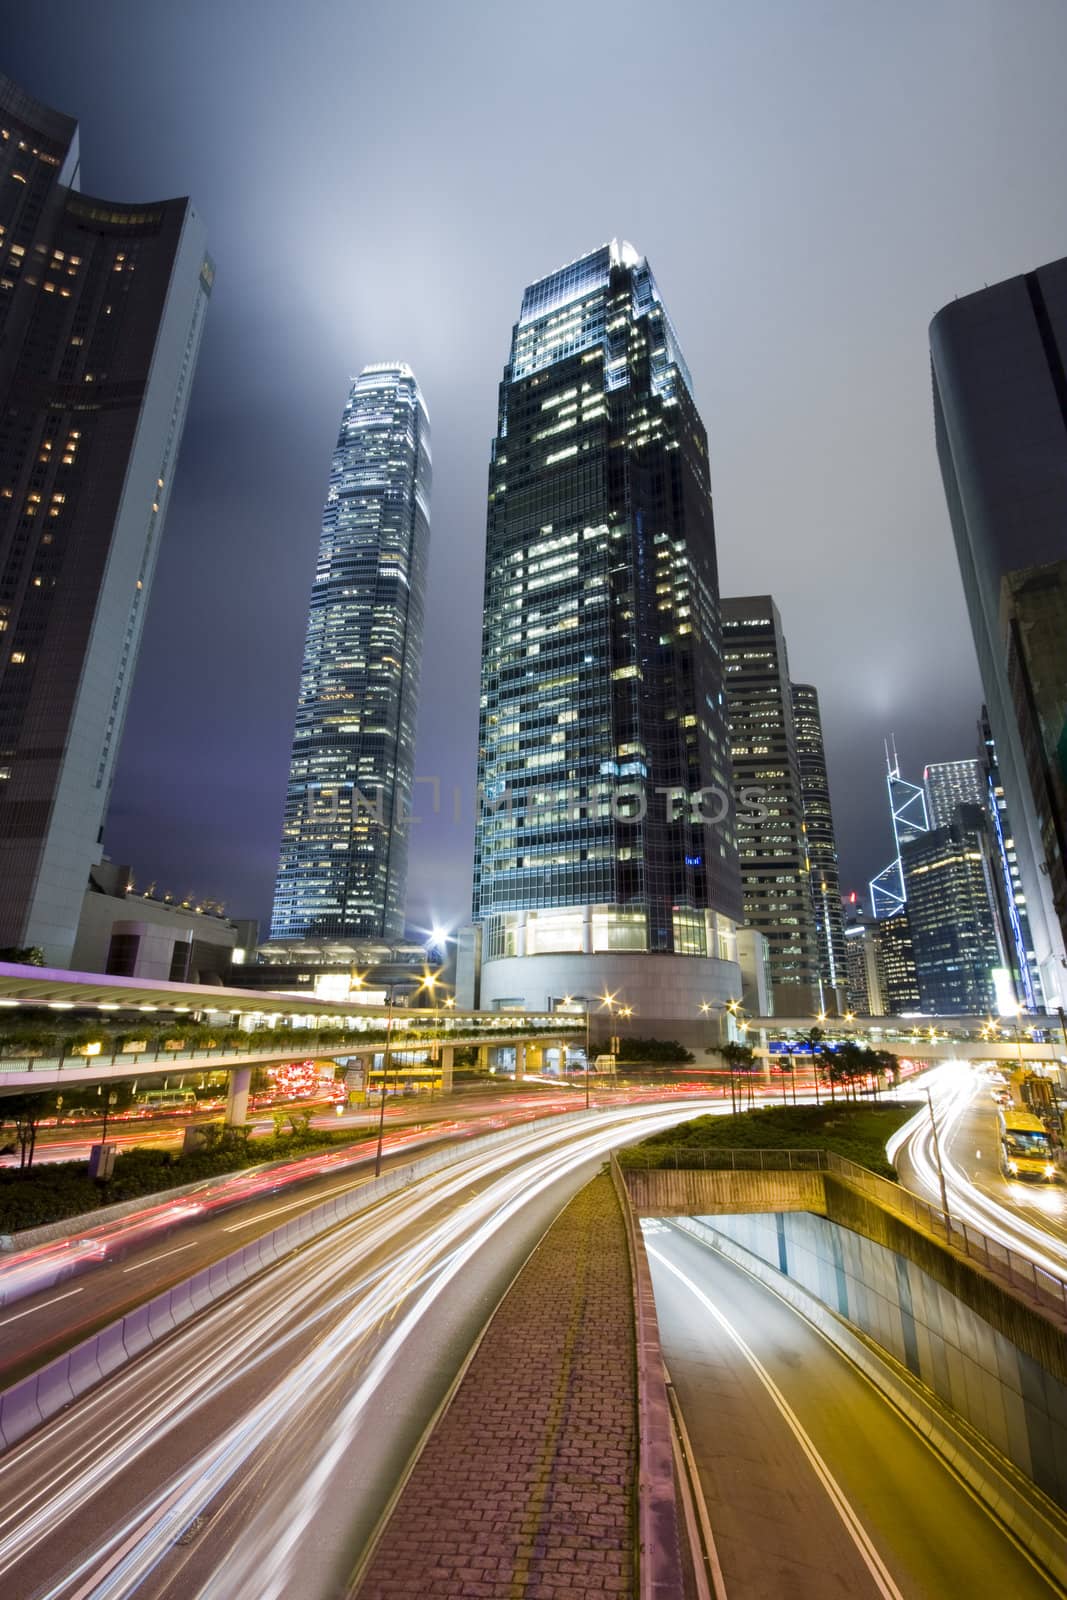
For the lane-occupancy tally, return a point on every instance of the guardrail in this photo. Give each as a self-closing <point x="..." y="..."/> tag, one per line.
<point x="1018" y="1271"/>
<point x="356" y="1043"/>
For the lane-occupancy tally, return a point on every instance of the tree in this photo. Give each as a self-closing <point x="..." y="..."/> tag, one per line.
<point x="813" y="1040"/>
<point x="27" y="955"/>
<point x="740" y="1058"/>
<point x="25" y="1112"/>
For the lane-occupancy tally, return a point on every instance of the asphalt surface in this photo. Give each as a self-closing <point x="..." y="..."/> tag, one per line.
<point x="59" y="1293"/>
<point x="1027" y="1216"/>
<point x="815" y="1487"/>
<point x="249" y="1456"/>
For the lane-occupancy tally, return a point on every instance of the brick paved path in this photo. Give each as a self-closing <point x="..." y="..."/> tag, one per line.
<point x="525" y="1490"/>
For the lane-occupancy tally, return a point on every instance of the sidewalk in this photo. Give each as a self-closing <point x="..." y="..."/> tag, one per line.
<point x="525" y="1490"/>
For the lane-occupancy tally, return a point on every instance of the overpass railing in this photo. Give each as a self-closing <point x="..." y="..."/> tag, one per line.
<point x="1012" y="1267"/>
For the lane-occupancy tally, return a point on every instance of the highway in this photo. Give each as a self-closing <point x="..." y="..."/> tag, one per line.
<point x="249" y="1456"/>
<point x="1029" y="1217"/>
<point x="815" y="1487"/>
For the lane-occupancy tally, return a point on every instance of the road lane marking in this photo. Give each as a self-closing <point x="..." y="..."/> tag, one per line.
<point x="137" y="1265"/>
<point x="853" y="1526"/>
<point x="31" y="1309"/>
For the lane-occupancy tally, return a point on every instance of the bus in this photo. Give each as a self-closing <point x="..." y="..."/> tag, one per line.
<point x="1025" y="1148"/>
<point x="167" y="1100"/>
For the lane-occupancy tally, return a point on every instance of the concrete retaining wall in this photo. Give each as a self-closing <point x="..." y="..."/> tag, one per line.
<point x="34" y="1399"/>
<point x="1009" y="1494"/>
<point x="1002" y="1391"/>
<point x="666" y="1192"/>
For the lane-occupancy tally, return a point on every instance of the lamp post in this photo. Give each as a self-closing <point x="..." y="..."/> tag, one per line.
<point x="385" y="1075"/>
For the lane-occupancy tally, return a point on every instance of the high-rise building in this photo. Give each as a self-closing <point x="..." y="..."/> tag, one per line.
<point x="907" y="809"/>
<point x="949" y="784"/>
<point x="776" y="871"/>
<point x="1034" y="621"/>
<point x="1000" y="413"/>
<point x="822" y="842"/>
<point x="950" y="916"/>
<point x="882" y="980"/>
<point x="343" y="870"/>
<point x="102" y="307"/>
<point x="605" y="858"/>
<point x="1007" y="885"/>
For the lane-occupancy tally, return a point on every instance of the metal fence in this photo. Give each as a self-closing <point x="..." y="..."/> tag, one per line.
<point x="1012" y="1267"/>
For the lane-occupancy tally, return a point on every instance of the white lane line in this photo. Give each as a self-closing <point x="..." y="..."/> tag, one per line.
<point x="853" y="1526"/>
<point x="308" y="1200"/>
<point x="29" y="1312"/>
<point x="137" y="1265"/>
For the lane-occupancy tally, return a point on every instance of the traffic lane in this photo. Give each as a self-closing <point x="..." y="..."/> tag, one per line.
<point x="775" y="1523"/>
<point x="113" y="1279"/>
<point x="974" y="1149"/>
<point x="312" y="1373"/>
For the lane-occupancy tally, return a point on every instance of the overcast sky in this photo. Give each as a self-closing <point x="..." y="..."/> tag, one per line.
<point x="810" y="181"/>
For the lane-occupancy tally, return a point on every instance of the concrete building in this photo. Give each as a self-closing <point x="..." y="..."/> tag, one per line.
<point x="1000" y="415"/>
<point x="132" y="934"/>
<point x="343" y="868"/>
<point x="1007" y="884"/>
<point x="776" y="869"/>
<point x="605" y="854"/>
<point x="949" y="784"/>
<point x="102" y="307"/>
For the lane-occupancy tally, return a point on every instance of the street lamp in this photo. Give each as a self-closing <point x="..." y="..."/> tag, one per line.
<point x="385" y="1076"/>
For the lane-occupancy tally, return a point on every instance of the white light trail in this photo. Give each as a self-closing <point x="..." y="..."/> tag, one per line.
<point x="298" y="1318"/>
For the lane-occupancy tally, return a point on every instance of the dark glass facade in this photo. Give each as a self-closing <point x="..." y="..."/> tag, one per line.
<point x="343" y="869"/>
<point x="102" y="306"/>
<point x="999" y="361"/>
<point x="951" y="918"/>
<point x="606" y="821"/>
<point x="776" y="875"/>
<point x="822" y="843"/>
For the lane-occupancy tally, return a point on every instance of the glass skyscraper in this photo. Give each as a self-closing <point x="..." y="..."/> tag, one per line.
<point x="949" y="784"/>
<point x="343" y="869"/>
<point x="605" y="833"/>
<point x="822" y="841"/>
<point x="102" y="308"/>
<point x="999" y="362"/>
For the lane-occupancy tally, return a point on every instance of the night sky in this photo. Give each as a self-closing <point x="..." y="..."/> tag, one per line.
<point x="810" y="179"/>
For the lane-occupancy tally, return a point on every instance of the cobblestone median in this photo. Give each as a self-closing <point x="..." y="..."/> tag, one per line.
<point x="525" y="1490"/>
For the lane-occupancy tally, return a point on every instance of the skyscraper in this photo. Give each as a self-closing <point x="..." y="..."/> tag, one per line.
<point x="1000" y="415"/>
<point x="102" y="307"/>
<point x="1034" y="622"/>
<point x="951" y="916"/>
<point x="605" y="857"/>
<point x="822" y="842"/>
<point x="907" y="808"/>
<point x="776" y="872"/>
<point x="949" y="784"/>
<point x="343" y="869"/>
<point x="1007" y="885"/>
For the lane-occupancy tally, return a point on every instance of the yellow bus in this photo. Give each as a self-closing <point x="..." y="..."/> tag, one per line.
<point x="1025" y="1148"/>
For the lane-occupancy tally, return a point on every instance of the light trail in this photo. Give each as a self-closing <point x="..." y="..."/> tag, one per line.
<point x="335" y="1339"/>
<point x="953" y="1088"/>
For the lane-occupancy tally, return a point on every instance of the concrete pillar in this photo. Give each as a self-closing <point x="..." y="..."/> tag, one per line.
<point x="448" y="1053"/>
<point x="483" y="1058"/>
<point x="520" y="1062"/>
<point x="237" y="1104"/>
<point x="587" y="931"/>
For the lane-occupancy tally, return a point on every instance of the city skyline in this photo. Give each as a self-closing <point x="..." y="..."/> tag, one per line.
<point x="822" y="371"/>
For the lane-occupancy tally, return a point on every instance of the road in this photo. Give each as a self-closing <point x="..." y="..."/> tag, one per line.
<point x="249" y="1456"/>
<point x="815" y="1487"/>
<point x="1030" y="1218"/>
